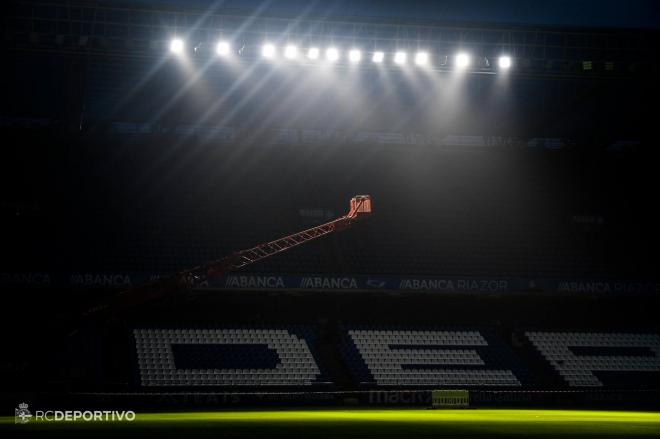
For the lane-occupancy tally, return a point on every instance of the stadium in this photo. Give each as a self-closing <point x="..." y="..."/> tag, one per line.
<point x="334" y="219"/>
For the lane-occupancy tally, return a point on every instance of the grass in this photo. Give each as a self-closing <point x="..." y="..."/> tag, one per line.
<point x="328" y="423"/>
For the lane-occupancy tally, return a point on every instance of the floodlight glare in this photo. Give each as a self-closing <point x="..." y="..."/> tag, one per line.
<point x="354" y="55"/>
<point x="291" y="52"/>
<point x="421" y="58"/>
<point x="378" y="57"/>
<point x="176" y="45"/>
<point x="313" y="53"/>
<point x="504" y="62"/>
<point x="222" y="48"/>
<point x="268" y="51"/>
<point x="462" y="60"/>
<point x="332" y="54"/>
<point x="400" y="57"/>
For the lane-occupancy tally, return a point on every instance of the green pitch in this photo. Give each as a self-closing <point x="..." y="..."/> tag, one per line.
<point x="328" y="423"/>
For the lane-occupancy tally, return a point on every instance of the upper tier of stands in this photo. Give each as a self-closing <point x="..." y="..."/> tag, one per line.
<point x="163" y="203"/>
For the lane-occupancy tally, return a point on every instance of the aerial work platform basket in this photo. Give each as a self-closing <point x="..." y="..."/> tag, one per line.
<point x="360" y="206"/>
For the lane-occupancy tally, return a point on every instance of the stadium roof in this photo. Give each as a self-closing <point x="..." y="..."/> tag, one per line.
<point x="563" y="13"/>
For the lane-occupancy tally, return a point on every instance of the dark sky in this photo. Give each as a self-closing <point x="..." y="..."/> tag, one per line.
<point x="580" y="13"/>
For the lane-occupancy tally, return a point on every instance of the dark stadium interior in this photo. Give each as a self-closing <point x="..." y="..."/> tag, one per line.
<point x="95" y="203"/>
<point x="512" y="247"/>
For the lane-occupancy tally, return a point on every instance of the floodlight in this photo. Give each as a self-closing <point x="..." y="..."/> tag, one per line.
<point x="313" y="53"/>
<point x="354" y="55"/>
<point x="332" y="54"/>
<point x="378" y="57"/>
<point x="176" y="45"/>
<point x="222" y="48"/>
<point x="504" y="62"/>
<point x="291" y="52"/>
<point x="462" y="60"/>
<point x="400" y="57"/>
<point x="268" y="50"/>
<point x="421" y="58"/>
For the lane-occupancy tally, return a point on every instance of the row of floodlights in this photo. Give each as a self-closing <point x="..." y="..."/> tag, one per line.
<point x="332" y="54"/>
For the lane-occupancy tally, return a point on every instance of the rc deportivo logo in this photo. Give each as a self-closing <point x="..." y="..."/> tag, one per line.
<point x="22" y="414"/>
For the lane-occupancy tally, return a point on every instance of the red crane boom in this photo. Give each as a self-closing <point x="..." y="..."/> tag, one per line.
<point x="360" y="207"/>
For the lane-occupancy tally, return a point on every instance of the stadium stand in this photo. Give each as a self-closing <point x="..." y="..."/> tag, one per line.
<point x="225" y="357"/>
<point x="429" y="358"/>
<point x="381" y="357"/>
<point x="585" y="359"/>
<point x="448" y="221"/>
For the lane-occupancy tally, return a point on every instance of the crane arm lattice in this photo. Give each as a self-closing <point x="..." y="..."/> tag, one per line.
<point x="360" y="207"/>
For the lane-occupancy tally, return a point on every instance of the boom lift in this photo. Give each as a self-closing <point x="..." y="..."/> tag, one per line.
<point x="360" y="207"/>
